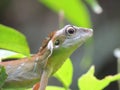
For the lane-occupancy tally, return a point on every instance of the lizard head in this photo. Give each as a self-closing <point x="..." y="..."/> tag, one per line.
<point x="62" y="43"/>
<point x="70" y="36"/>
<point x="67" y="37"/>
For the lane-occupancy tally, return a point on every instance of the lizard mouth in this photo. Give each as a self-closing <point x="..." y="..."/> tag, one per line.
<point x="83" y="34"/>
<point x="86" y="31"/>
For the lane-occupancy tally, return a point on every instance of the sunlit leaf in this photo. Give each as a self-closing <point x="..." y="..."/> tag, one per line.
<point x="10" y="39"/>
<point x="75" y="11"/>
<point x="51" y="88"/>
<point x="6" y="54"/>
<point x="16" y="89"/>
<point x="89" y="82"/>
<point x="65" y="73"/>
<point x="54" y="88"/>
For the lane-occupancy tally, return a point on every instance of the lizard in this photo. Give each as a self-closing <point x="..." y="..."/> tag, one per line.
<point x="55" y="49"/>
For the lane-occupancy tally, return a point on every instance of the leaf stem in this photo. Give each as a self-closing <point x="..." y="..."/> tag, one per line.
<point x="61" y="18"/>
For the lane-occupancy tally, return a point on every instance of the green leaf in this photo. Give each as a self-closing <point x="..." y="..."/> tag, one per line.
<point x="74" y="10"/>
<point x="6" y="54"/>
<point x="89" y="82"/>
<point x="65" y="73"/>
<point x="16" y="89"/>
<point x="3" y="76"/>
<point x="12" y="40"/>
<point x="51" y="88"/>
<point x="54" y="88"/>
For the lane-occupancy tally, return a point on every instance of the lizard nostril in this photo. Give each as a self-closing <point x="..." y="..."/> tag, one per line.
<point x="85" y="30"/>
<point x="88" y="30"/>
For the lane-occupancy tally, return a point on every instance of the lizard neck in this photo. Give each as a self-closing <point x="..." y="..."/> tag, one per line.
<point x="59" y="56"/>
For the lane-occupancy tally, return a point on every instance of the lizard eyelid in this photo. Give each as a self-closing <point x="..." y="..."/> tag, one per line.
<point x="70" y="30"/>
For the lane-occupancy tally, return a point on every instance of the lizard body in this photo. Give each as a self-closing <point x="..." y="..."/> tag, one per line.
<point x="51" y="56"/>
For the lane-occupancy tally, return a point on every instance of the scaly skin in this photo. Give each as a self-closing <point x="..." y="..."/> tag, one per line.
<point x="54" y="51"/>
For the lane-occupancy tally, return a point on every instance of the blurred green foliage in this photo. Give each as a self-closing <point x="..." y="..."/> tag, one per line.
<point x="12" y="40"/>
<point x="89" y="82"/>
<point x="74" y="11"/>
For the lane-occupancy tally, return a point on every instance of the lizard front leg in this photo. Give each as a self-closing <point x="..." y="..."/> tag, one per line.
<point x="44" y="79"/>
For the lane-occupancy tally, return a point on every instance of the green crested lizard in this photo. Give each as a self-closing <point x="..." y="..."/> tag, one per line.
<point x="56" y="48"/>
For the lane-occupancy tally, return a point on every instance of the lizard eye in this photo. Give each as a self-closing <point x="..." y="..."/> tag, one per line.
<point x="70" y="30"/>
